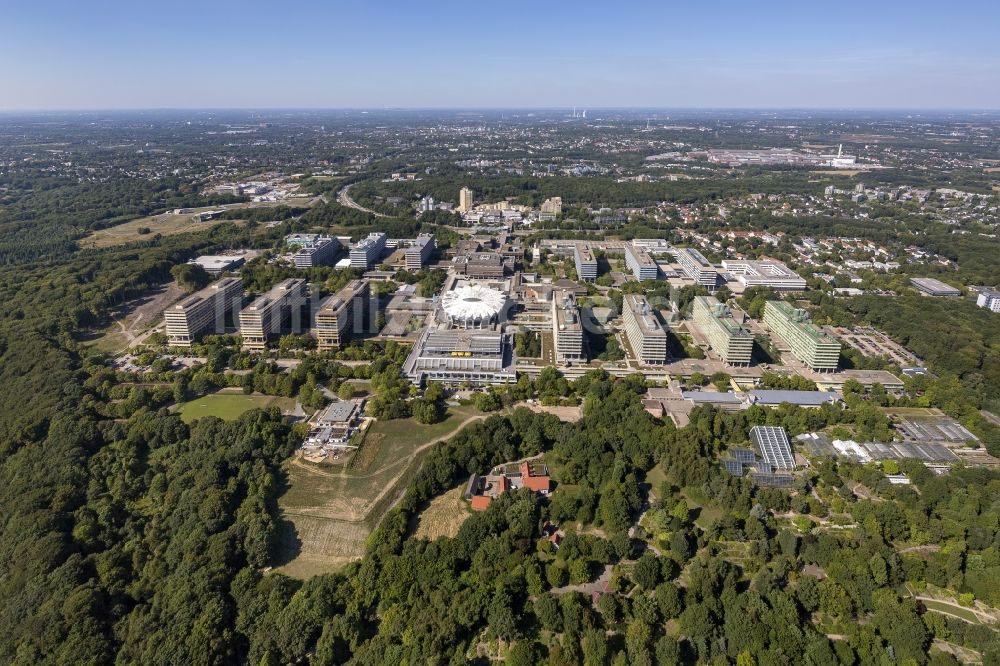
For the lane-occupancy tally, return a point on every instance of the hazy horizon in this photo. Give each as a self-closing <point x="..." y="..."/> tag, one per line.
<point x="65" y="56"/>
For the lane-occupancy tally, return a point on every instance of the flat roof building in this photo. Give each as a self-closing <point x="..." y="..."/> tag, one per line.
<point x="216" y="264"/>
<point x="586" y="263"/>
<point x="202" y="311"/>
<point x="732" y="342"/>
<point x="465" y="200"/>
<point x="480" y="265"/>
<point x="765" y="273"/>
<point x="989" y="299"/>
<point x="646" y="333"/>
<point x="567" y="328"/>
<point x="306" y="240"/>
<point x="367" y="252"/>
<point x="640" y="263"/>
<point x="416" y="255"/>
<point x="264" y="317"/>
<point x="341" y="314"/>
<point x="697" y="267"/>
<point x="459" y="356"/>
<point x="773" y="398"/>
<point x="814" y="347"/>
<point x="552" y="205"/>
<point x="934" y="287"/>
<point x="321" y="253"/>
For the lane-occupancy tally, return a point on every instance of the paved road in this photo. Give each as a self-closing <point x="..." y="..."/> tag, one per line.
<point x="344" y="199"/>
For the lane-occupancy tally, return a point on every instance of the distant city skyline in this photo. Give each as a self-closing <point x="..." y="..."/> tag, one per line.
<point x="63" y="55"/>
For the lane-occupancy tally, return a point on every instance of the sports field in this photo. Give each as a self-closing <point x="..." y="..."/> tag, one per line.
<point x="228" y="406"/>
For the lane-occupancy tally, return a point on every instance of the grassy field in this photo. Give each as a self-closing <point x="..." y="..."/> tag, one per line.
<point x="168" y="224"/>
<point x="957" y="611"/>
<point x="443" y="516"/>
<point x="228" y="406"/>
<point x="165" y="224"/>
<point x="331" y="509"/>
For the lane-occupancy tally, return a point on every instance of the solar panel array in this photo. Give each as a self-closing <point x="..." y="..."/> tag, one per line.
<point x="774" y="447"/>
<point x="743" y="455"/>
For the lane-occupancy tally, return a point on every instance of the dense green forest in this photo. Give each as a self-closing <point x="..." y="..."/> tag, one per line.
<point x="131" y="537"/>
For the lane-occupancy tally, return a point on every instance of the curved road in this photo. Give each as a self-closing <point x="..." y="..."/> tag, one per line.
<point x="344" y="199"/>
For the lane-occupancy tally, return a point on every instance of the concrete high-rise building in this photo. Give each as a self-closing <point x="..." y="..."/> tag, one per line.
<point x="465" y="200"/>
<point x="319" y="254"/>
<point x="646" y="333"/>
<point x="586" y="264"/>
<point x="732" y="342"/>
<point x="306" y="240"/>
<point x="567" y="328"/>
<point x="552" y="206"/>
<point x="417" y="254"/>
<point x="989" y="299"/>
<point x="642" y="265"/>
<point x="202" y="311"/>
<point x="817" y="349"/>
<point x="367" y="252"/>
<point x="697" y="267"/>
<point x="264" y="318"/>
<point x="341" y="314"/>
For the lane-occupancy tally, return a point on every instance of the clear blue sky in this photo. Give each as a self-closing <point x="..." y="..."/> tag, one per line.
<point x="94" y="54"/>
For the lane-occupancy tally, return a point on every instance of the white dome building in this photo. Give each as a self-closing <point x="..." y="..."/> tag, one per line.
<point x="473" y="306"/>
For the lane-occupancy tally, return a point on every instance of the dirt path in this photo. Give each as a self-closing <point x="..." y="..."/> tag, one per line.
<point x="342" y="476"/>
<point x="599" y="585"/>
<point x="409" y="460"/>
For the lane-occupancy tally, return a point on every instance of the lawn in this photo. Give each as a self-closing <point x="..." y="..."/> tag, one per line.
<point x="165" y="224"/>
<point x="952" y="609"/>
<point x="228" y="406"/>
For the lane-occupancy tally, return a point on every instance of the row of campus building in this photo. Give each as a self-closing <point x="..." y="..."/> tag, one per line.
<point x="208" y="310"/>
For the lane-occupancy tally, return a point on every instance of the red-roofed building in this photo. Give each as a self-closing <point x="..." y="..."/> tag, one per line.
<point x="484" y="489"/>
<point x="535" y="478"/>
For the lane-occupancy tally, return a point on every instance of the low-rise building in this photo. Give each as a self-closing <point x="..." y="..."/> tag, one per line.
<point x="458" y="356"/>
<point x="482" y="490"/>
<point x="765" y="273"/>
<point x="933" y="287"/>
<point x="480" y="265"/>
<point x="215" y="265"/>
